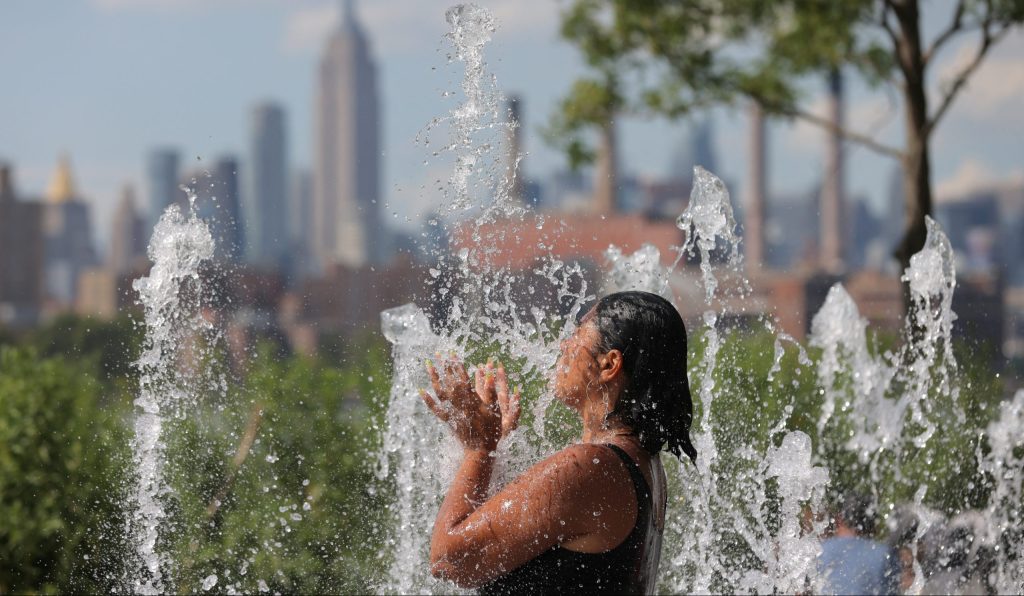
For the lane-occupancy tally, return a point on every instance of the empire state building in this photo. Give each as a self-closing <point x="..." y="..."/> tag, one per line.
<point x="346" y="172"/>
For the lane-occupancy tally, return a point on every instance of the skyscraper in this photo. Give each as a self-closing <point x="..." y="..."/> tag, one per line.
<point x="300" y="220"/>
<point x="21" y="255"/>
<point x="217" y="203"/>
<point x="68" y="232"/>
<point x="264" y="206"/>
<point x="346" y="169"/>
<point x="162" y="179"/>
<point x="127" y="234"/>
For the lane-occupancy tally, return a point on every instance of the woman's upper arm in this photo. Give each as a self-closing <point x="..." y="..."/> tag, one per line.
<point x="552" y="502"/>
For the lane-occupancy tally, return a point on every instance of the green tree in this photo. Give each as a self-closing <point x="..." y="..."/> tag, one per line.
<point x="62" y="473"/>
<point x="678" y="55"/>
<point x="274" y="481"/>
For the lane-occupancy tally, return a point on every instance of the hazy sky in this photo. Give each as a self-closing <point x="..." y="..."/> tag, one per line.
<point x="106" y="80"/>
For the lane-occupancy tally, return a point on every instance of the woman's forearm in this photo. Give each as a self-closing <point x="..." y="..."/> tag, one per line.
<point x="467" y="492"/>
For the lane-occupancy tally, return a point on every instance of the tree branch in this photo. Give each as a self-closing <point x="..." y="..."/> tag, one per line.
<point x="954" y="28"/>
<point x="859" y="138"/>
<point x="251" y="429"/>
<point x="884" y="23"/>
<point x="988" y="39"/>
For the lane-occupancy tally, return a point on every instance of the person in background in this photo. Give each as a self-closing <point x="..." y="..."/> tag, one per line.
<point x="852" y="562"/>
<point x="902" y="525"/>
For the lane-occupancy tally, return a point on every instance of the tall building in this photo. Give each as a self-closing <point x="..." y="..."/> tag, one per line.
<point x="300" y="219"/>
<point x="346" y="171"/>
<point x="697" y="149"/>
<point x="265" y="205"/>
<point x="163" y="185"/>
<point x="127" y="235"/>
<point x="217" y="203"/>
<point x="21" y="256"/>
<point x="68" y="235"/>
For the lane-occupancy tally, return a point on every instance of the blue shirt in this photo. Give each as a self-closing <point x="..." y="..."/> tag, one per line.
<point x="854" y="565"/>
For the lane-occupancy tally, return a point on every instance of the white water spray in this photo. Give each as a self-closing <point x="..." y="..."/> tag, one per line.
<point x="169" y="295"/>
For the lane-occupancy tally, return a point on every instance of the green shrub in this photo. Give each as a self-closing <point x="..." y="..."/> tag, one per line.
<point x="62" y="463"/>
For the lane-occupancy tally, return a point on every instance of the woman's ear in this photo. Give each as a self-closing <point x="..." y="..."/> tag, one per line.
<point x="611" y="365"/>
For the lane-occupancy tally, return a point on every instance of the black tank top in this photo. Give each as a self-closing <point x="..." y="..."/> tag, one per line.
<point x="629" y="568"/>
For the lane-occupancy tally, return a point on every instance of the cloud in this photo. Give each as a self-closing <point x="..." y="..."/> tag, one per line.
<point x="403" y="25"/>
<point x="993" y="93"/>
<point x="971" y="176"/>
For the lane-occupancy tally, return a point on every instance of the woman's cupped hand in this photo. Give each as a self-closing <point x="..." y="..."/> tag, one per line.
<point x="480" y="411"/>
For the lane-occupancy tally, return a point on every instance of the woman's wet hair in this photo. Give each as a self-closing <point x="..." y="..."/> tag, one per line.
<point x="656" y="400"/>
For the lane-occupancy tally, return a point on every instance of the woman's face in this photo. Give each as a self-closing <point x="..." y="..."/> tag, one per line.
<point x="576" y="370"/>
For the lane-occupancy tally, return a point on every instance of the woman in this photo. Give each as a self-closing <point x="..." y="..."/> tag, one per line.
<point x="590" y="517"/>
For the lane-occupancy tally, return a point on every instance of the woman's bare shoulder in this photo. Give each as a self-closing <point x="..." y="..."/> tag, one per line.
<point x="583" y="466"/>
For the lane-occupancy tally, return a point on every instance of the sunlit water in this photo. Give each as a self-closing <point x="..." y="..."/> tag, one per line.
<point x="878" y="406"/>
<point x="718" y="538"/>
<point x="170" y="296"/>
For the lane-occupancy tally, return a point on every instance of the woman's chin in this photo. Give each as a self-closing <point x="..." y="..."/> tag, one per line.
<point x="566" y="398"/>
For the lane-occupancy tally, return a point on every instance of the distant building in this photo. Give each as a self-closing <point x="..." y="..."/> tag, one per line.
<point x="68" y="232"/>
<point x="265" y="204"/>
<point x="894" y="214"/>
<point x="22" y="256"/>
<point x="986" y="229"/>
<point x="698" y="149"/>
<point x="300" y="219"/>
<point x="217" y="203"/>
<point x="520" y="244"/>
<point x="128" y="235"/>
<point x="565" y="189"/>
<point x="862" y="230"/>
<point x="102" y="293"/>
<point x="791" y="231"/>
<point x="346" y="173"/>
<point x="325" y="311"/>
<point x="163" y="184"/>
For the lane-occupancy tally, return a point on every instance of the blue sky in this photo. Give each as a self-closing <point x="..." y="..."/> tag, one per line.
<point x="106" y="80"/>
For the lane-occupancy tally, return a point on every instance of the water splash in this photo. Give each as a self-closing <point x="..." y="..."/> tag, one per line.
<point x="1004" y="464"/>
<point x="169" y="296"/>
<point x="641" y="270"/>
<point x="849" y="374"/>
<point x="708" y="222"/>
<point x="412" y="458"/>
<point x="792" y="569"/>
<point x="717" y="534"/>
<point x="481" y="315"/>
<point x="928" y="363"/>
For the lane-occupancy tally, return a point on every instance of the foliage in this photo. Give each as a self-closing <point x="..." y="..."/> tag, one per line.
<point x="682" y="56"/>
<point x="749" y="403"/>
<point x="670" y="57"/>
<point x="272" y="475"/>
<point x="298" y="510"/>
<point x="62" y="466"/>
<point x="109" y="347"/>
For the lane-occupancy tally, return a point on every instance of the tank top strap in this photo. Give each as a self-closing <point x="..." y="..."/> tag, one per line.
<point x="643" y="492"/>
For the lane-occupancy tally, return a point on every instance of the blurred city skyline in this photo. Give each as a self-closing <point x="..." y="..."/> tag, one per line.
<point x="106" y="81"/>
